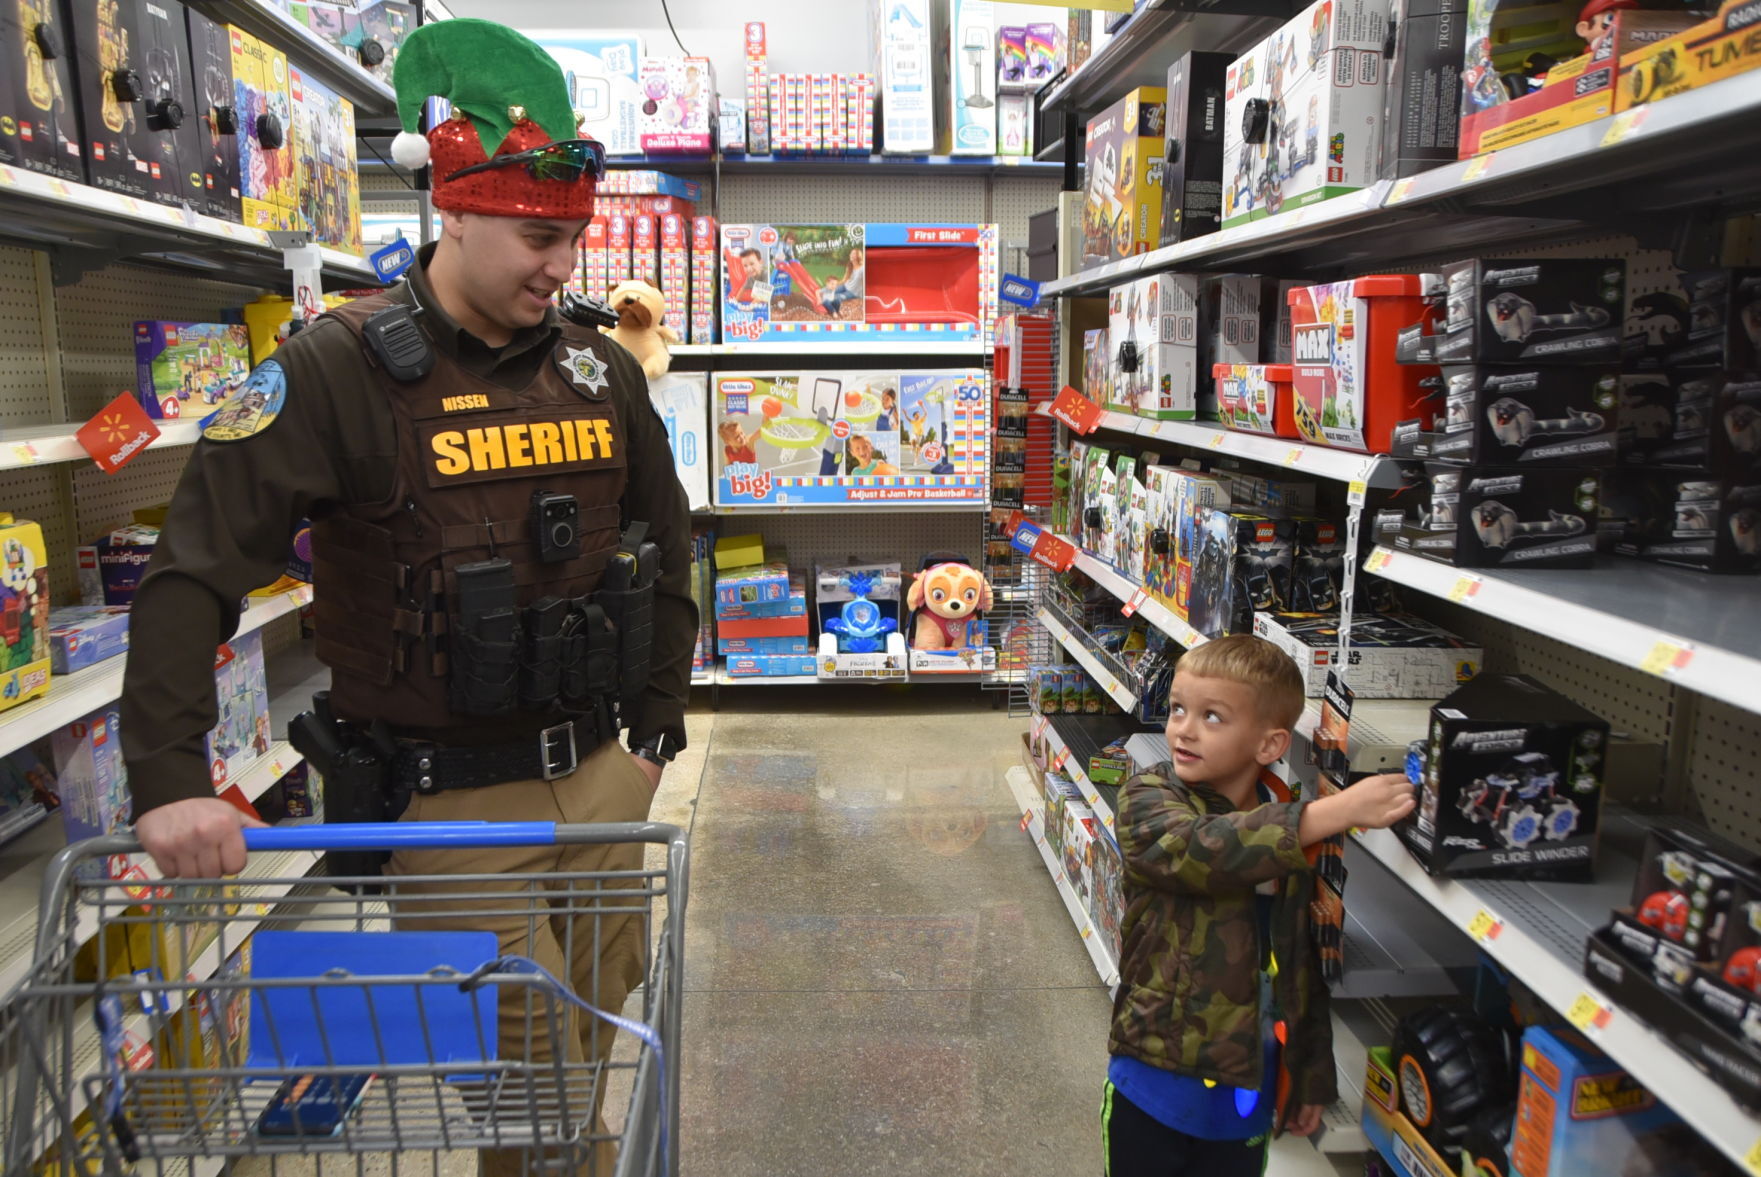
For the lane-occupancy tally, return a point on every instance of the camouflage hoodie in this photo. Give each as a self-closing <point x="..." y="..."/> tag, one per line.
<point x="1188" y="998"/>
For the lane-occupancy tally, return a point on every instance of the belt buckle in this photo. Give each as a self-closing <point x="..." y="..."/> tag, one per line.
<point x="546" y="740"/>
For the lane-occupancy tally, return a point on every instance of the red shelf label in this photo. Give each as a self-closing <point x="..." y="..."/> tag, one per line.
<point x="1055" y="553"/>
<point x="1076" y="410"/>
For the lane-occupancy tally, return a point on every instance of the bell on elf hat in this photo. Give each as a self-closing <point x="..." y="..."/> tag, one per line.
<point x="504" y="90"/>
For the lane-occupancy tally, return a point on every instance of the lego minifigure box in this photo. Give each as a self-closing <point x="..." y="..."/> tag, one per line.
<point x="186" y="369"/>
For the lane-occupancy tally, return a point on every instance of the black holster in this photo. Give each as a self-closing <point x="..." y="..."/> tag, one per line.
<point x="356" y="773"/>
<point x="626" y="594"/>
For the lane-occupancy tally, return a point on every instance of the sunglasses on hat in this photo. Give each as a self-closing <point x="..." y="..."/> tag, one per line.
<point x="567" y="160"/>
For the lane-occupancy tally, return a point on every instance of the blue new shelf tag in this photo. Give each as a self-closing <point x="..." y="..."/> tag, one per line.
<point x="390" y="261"/>
<point x="1019" y="291"/>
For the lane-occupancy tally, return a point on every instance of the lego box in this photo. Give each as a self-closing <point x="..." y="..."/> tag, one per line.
<point x="1122" y="212"/>
<point x="39" y="115"/>
<point x="188" y="369"/>
<point x="1154" y="322"/>
<point x="81" y="635"/>
<point x="242" y="690"/>
<point x="211" y="60"/>
<point x="24" y="612"/>
<point x="1390" y="657"/>
<point x="173" y="138"/>
<point x="1192" y="173"/>
<point x="1241" y="560"/>
<point x="90" y="777"/>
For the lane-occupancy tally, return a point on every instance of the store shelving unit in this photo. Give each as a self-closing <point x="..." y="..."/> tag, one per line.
<point x="1033" y="821"/>
<point x="33" y="445"/>
<point x="313" y="54"/>
<point x="1071" y="638"/>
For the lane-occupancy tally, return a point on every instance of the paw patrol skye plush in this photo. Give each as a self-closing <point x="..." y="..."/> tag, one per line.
<point x="642" y="329"/>
<point x="946" y="598"/>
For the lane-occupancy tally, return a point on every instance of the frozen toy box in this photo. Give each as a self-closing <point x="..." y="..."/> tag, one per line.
<point x="892" y="282"/>
<point x="851" y="437"/>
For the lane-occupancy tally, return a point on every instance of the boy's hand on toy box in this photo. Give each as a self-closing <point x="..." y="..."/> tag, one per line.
<point x="1374" y="803"/>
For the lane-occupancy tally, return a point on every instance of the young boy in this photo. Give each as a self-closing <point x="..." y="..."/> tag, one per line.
<point x="1216" y="944"/>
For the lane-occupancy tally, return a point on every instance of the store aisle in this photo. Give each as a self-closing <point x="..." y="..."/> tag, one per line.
<point x="879" y="980"/>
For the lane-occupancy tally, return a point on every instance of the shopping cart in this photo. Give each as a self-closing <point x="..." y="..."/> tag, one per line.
<point x="172" y="1027"/>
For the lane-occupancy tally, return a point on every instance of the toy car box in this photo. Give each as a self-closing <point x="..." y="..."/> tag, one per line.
<point x="1152" y="328"/>
<point x="1192" y="169"/>
<point x="1241" y="560"/>
<point x="1723" y="321"/>
<point x="1692" y="419"/>
<point x="1689" y="518"/>
<point x="186" y="369"/>
<point x="1690" y="886"/>
<point x="242" y="688"/>
<point x="81" y="635"/>
<point x="1511" y="785"/>
<point x="1552" y="310"/>
<point x="1720" y="47"/>
<point x="24" y="612"/>
<point x="39" y="97"/>
<point x="1122" y="211"/>
<point x="1529" y="416"/>
<point x="1303" y="118"/>
<point x="1348" y="390"/>
<point x="1390" y="657"/>
<point x="215" y="112"/>
<point x="1578" y="1112"/>
<point x="1256" y="398"/>
<point x="858" y="283"/>
<point x="1507" y="516"/>
<point x="1421" y="112"/>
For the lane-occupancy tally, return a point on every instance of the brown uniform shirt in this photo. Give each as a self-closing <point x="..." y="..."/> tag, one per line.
<point x="335" y="443"/>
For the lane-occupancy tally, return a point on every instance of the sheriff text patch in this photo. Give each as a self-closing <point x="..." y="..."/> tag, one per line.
<point x="513" y="449"/>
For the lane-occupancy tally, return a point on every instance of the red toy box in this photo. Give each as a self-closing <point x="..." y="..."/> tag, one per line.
<point x="1256" y="398"/>
<point x="1349" y="391"/>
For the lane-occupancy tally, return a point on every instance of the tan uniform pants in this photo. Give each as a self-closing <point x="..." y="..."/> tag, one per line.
<point x="603" y="957"/>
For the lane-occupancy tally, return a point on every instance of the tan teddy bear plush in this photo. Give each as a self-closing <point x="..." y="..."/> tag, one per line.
<point x="642" y="329"/>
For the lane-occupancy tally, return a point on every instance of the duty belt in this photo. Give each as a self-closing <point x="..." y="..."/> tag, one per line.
<point x="548" y="755"/>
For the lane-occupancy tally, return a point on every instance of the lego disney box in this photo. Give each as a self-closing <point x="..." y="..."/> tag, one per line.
<point x="850" y="437"/>
<point x="879" y="282"/>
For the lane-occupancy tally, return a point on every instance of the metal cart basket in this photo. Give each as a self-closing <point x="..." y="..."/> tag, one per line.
<point x="171" y="1027"/>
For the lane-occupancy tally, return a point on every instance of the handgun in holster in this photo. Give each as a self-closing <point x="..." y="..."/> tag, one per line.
<point x="626" y="593"/>
<point x="357" y="784"/>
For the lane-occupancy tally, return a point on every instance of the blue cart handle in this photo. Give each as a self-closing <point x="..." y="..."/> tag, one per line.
<point x="409" y="834"/>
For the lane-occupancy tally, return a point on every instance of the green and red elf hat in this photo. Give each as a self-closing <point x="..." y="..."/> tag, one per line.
<point x="504" y="91"/>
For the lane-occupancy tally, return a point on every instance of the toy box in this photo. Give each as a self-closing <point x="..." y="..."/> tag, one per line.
<point x="1421" y="112"/>
<point x="327" y="195"/>
<point x="1232" y="311"/>
<point x="1349" y="391"/>
<point x="1389" y="658"/>
<point x="1389" y="1131"/>
<point x="793" y="605"/>
<point x="1511" y="783"/>
<point x="601" y="72"/>
<point x="24" y="612"/>
<point x="90" y="777"/>
<point x="968" y="69"/>
<point x="860" y="610"/>
<point x="1553" y="310"/>
<point x="1256" y="492"/>
<point x="1196" y="496"/>
<point x="80" y="635"/>
<point x="27" y="793"/>
<point x="211" y="64"/>
<point x="1700" y="420"/>
<point x="1192" y="171"/>
<point x="748" y="586"/>
<point x="1104" y="870"/>
<point x="1256" y="398"/>
<point x="757" y="91"/>
<point x="851" y="437"/>
<point x="1693" y="902"/>
<point x="1507" y="516"/>
<point x="186" y="369"/>
<point x="111" y="569"/>
<point x="800" y="644"/>
<point x="1698" y="55"/>
<point x="1303" y="116"/>
<point x="858" y="282"/>
<point x="1152" y="328"/>
<point x="1690" y="518"/>
<point x="242" y="689"/>
<point x="113" y="122"/>
<point x="682" y="401"/>
<point x="261" y="104"/>
<point x="1723" y="327"/>
<point x="1529" y="416"/>
<point x="1317" y="575"/>
<point x="771" y="665"/>
<point x="1097" y="367"/>
<point x="173" y="136"/>
<point x="1578" y="1112"/>
<point x="361" y="32"/>
<point x="678" y="100"/>
<point x="39" y="96"/>
<point x="1241" y="560"/>
<point x="1122" y="213"/>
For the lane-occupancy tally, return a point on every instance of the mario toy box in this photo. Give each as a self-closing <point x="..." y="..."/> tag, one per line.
<point x="1304" y="111"/>
<point x="187" y="369"/>
<point x="1122" y="212"/>
<point x="24" y="612"/>
<point x="858" y="283"/>
<point x="1152" y="331"/>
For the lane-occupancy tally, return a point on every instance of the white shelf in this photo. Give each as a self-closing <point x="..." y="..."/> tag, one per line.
<point x="1695" y="629"/>
<point x="1118" y="691"/>
<point x="1146" y="606"/>
<point x="1537" y="931"/>
<point x="881" y="507"/>
<point x="1357" y="471"/>
<point x="832" y="346"/>
<point x="724" y="679"/>
<point x="1021" y="786"/>
<point x="72" y="696"/>
<point x="1064" y="761"/>
<point x="34" y="445"/>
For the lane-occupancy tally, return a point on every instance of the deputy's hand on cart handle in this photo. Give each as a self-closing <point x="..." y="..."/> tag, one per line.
<point x="650" y="769"/>
<point x="196" y="838"/>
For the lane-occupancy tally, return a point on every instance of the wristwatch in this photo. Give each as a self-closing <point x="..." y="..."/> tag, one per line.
<point x="658" y="749"/>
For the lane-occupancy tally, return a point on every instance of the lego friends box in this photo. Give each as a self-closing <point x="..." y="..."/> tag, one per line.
<point x="824" y="437"/>
<point x="891" y="282"/>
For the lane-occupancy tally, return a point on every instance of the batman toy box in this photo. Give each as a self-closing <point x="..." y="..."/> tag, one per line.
<point x="1530" y="311"/>
<point x="1242" y="566"/>
<point x="1506" y="517"/>
<point x="39" y="116"/>
<point x="1510" y="783"/>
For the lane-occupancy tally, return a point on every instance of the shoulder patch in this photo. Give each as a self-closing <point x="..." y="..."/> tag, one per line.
<point x="253" y="406"/>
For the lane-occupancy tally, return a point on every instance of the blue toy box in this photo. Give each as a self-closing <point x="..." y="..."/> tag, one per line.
<point x="793" y="605"/>
<point x="93" y="784"/>
<point x="770" y="665"/>
<point x="790" y="645"/>
<point x="81" y="635"/>
<point x="189" y="369"/>
<point x="752" y="586"/>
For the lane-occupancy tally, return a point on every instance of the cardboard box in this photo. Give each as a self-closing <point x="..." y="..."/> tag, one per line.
<point x="1724" y="321"/>
<point x="734" y="552"/>
<point x="91" y="779"/>
<point x="969" y="59"/>
<point x="1154" y="320"/>
<point x="81" y="635"/>
<point x="678" y="102"/>
<point x="1388" y="1130"/>
<point x="675" y="272"/>
<point x="1690" y="518"/>
<point x="216" y="111"/>
<point x="1390" y="657"/>
<point x="681" y="399"/>
<point x="757" y="91"/>
<point x="645" y="249"/>
<point x="1240" y="561"/>
<point x="601" y="72"/>
<point x="1512" y="784"/>
<point x="327" y="195"/>
<point x="1097" y="366"/>
<point x="110" y="570"/>
<point x="242" y="733"/>
<point x="751" y="586"/>
<point x="787" y="622"/>
<point x="172" y="139"/>
<point x="1122" y="214"/>
<point x="705" y="279"/>
<point x="1421" y="117"/>
<point x="261" y="104"/>
<point x="1195" y="497"/>
<point x="591" y="276"/>
<point x="1192" y="172"/>
<point x="1256" y="398"/>
<point x="187" y="369"/>
<point x="1693" y="420"/>
<point x="1507" y="516"/>
<point x="24" y="613"/>
<point x="771" y="665"/>
<point x="1349" y="391"/>
<point x="1698" y="55"/>
<point x="1303" y="116"/>
<point x="800" y="645"/>
<point x="113" y="131"/>
<point x="979" y="658"/>
<point x="1530" y="416"/>
<point x="618" y="232"/>
<point x="39" y="115"/>
<point x="1550" y="310"/>
<point x="1235" y="319"/>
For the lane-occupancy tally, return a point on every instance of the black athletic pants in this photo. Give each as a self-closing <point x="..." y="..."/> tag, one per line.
<point x="1135" y="1144"/>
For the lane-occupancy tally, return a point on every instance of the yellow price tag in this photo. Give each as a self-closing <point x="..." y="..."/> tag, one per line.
<point x="25" y="453"/>
<point x="1400" y="191"/>
<point x="1108" y="821"/>
<point x="1589" y="1015"/>
<point x="1216" y="439"/>
<point x="1752" y="1159"/>
<point x="1485" y="926"/>
<point x="1624" y="124"/>
<point x="1378" y="560"/>
<point x="60" y="188"/>
<point x="1667" y="657"/>
<point x="1087" y="931"/>
<point x="1466" y="585"/>
<point x="1355" y="493"/>
<point x="1293" y="456"/>
<point x="1477" y="167"/>
<point x="276" y="770"/>
<point x="7" y="179"/>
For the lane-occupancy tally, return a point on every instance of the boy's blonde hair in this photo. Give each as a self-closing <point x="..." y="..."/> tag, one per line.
<point x="1256" y="663"/>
